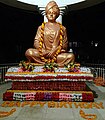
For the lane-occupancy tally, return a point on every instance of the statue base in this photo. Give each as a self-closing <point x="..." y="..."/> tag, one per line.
<point x="37" y="85"/>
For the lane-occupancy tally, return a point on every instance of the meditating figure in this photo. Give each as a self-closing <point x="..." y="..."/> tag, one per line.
<point x="50" y="43"/>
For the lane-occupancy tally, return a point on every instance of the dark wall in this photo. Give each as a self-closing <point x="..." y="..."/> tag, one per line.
<point x="17" y="31"/>
<point x="86" y="27"/>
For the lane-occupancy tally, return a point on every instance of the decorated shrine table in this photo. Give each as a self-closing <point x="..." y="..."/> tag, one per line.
<point x="59" y="85"/>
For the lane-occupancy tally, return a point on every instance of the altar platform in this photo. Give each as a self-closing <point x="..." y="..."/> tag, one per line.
<point x="59" y="85"/>
<point x="55" y="112"/>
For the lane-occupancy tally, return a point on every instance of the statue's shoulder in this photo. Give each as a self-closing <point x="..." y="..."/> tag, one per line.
<point x="39" y="27"/>
<point x="64" y="28"/>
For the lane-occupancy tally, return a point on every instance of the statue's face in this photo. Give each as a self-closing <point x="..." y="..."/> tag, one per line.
<point x="51" y="15"/>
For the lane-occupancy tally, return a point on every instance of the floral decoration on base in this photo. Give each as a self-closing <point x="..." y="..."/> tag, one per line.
<point x="50" y="67"/>
<point x="45" y="95"/>
<point x="26" y="66"/>
<point x="73" y="67"/>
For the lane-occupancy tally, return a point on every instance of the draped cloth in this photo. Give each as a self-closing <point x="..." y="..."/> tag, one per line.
<point x="50" y="43"/>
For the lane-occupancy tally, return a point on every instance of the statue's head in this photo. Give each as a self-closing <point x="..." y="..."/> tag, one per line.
<point x="53" y="8"/>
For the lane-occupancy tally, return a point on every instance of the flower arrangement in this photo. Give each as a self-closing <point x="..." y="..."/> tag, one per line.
<point x="26" y="66"/>
<point x="6" y="114"/>
<point x="46" y="95"/>
<point x="88" y="116"/>
<point x="99" y="81"/>
<point x="49" y="85"/>
<point x="72" y="67"/>
<point x="50" y="67"/>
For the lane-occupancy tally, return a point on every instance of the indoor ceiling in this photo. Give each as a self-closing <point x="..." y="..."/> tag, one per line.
<point x="78" y="6"/>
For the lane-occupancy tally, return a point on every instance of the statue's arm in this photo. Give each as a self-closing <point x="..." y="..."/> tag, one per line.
<point x="65" y="40"/>
<point x="37" y="38"/>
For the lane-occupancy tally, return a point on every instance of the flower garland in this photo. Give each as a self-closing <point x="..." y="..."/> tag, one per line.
<point x="5" y="114"/>
<point x="47" y="78"/>
<point x="41" y="45"/>
<point x="88" y="116"/>
<point x="47" y="95"/>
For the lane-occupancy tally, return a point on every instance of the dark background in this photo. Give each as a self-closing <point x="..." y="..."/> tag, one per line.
<point x="85" y="29"/>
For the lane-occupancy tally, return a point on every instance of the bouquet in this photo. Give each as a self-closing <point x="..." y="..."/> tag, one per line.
<point x="26" y="66"/>
<point x="50" y="67"/>
<point x="73" y="67"/>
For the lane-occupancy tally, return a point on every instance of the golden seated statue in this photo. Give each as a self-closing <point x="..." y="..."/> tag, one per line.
<point x="50" y="43"/>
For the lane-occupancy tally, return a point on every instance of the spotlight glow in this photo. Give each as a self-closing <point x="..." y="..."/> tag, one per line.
<point x="42" y="3"/>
